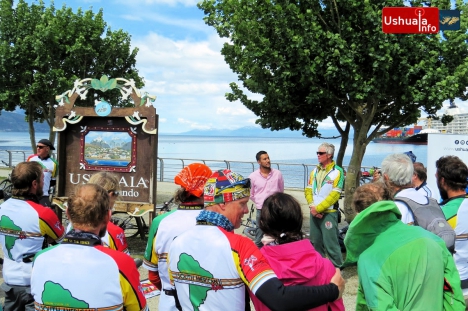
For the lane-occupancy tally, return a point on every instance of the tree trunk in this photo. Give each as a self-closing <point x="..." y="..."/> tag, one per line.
<point x="32" y="131"/>
<point x="343" y="145"/>
<point x="354" y="171"/>
<point x="51" y="122"/>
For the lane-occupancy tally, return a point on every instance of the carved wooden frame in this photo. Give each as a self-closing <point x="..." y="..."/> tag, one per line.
<point x="130" y="166"/>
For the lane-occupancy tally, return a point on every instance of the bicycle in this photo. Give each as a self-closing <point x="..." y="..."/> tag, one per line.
<point x="368" y="176"/>
<point x="6" y="186"/>
<point x="250" y="224"/>
<point x="133" y="223"/>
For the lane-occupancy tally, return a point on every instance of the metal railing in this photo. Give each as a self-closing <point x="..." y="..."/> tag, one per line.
<point x="295" y="174"/>
<point x="13" y="157"/>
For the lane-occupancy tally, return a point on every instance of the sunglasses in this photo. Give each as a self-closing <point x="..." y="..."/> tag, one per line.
<point x="245" y="183"/>
<point x="320" y="153"/>
<point x="40" y="147"/>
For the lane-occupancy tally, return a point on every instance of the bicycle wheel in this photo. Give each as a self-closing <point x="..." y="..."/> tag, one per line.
<point x="127" y="223"/>
<point x="165" y="207"/>
<point x="6" y="186"/>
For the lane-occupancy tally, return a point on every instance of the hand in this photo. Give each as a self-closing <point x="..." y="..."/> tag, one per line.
<point x="154" y="278"/>
<point x="314" y="212"/>
<point x="338" y="280"/>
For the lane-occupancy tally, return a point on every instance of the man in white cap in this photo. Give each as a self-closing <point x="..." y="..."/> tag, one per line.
<point x="49" y="167"/>
<point x="210" y="265"/>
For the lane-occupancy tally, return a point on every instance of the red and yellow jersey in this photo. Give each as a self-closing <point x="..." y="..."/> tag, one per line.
<point x="83" y="275"/>
<point x="24" y="226"/>
<point x="210" y="267"/>
<point x="115" y="238"/>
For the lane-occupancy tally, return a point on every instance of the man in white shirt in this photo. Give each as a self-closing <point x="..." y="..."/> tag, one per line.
<point x="419" y="180"/>
<point x="397" y="170"/>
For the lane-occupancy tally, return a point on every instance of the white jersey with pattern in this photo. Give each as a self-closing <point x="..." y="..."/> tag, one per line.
<point x="24" y="226"/>
<point x="210" y="268"/>
<point x="164" y="229"/>
<point x="49" y="167"/>
<point x="85" y="277"/>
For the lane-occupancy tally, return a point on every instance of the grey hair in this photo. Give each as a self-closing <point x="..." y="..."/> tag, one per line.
<point x="399" y="169"/>
<point x="330" y="148"/>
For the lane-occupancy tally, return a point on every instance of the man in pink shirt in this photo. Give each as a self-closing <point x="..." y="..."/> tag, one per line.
<point x="264" y="182"/>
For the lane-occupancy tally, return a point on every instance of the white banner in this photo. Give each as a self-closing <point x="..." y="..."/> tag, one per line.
<point x="439" y="145"/>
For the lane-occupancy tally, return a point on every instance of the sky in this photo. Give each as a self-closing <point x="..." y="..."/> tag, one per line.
<point x="179" y="58"/>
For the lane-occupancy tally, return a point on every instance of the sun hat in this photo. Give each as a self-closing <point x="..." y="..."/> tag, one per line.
<point x="226" y="186"/>
<point x="47" y="143"/>
<point x="193" y="178"/>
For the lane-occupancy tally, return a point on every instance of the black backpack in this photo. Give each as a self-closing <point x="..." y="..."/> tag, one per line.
<point x="430" y="217"/>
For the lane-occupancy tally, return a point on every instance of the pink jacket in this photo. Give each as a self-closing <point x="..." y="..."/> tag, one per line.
<point x="298" y="263"/>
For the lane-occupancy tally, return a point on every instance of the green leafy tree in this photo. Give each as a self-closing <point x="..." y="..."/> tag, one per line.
<point x="43" y="50"/>
<point x="313" y="59"/>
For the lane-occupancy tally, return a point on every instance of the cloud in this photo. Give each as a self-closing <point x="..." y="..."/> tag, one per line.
<point x="184" y="61"/>
<point x="190" y="79"/>
<point x="165" y="2"/>
<point x="233" y="111"/>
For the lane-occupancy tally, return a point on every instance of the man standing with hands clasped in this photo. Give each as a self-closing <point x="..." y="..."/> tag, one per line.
<point x="322" y="192"/>
<point x="264" y="182"/>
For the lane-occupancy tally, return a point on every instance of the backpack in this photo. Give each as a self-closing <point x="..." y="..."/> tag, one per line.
<point x="430" y="217"/>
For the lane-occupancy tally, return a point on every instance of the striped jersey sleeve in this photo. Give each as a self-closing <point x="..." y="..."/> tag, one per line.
<point x="49" y="223"/>
<point x="252" y="267"/>
<point x="133" y="297"/>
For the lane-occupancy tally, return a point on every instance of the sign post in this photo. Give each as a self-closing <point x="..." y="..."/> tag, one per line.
<point x="439" y="145"/>
<point x="410" y="20"/>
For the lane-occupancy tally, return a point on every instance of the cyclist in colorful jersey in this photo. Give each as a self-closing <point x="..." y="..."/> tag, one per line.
<point x="25" y="228"/>
<point x="210" y="265"/>
<point x="168" y="226"/>
<point x="452" y="174"/>
<point x="322" y="193"/>
<point x="49" y="166"/>
<point x="81" y="273"/>
<point x="115" y="236"/>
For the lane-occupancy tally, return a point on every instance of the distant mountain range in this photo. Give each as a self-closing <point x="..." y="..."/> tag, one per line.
<point x="15" y="122"/>
<point x="253" y="131"/>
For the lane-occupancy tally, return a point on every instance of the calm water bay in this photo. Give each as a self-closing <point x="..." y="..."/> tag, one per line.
<point x="299" y="150"/>
<point x="295" y="157"/>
